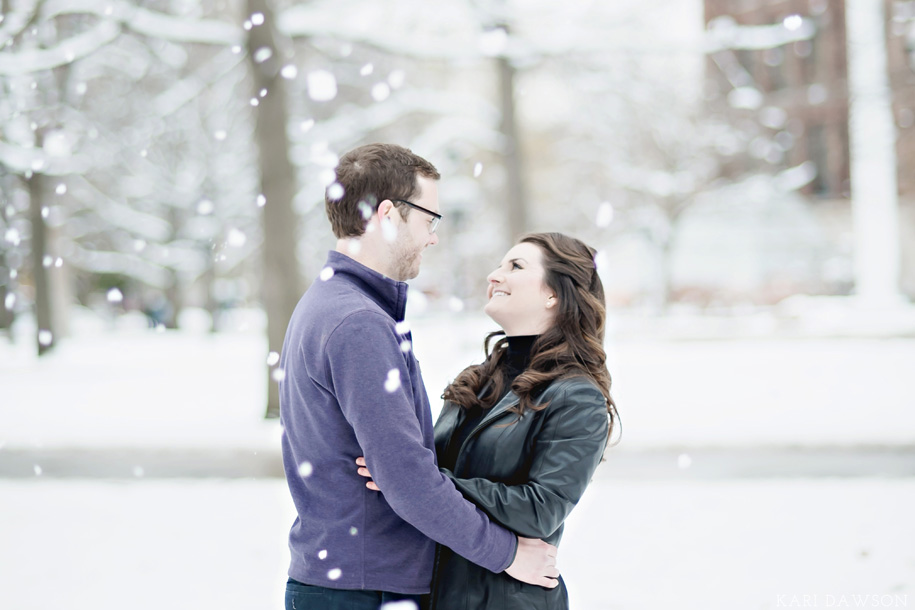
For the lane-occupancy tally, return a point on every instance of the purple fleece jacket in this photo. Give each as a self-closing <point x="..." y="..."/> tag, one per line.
<point x="352" y="389"/>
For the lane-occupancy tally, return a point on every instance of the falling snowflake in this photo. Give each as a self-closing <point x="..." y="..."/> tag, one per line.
<point x="37" y="470"/>
<point x="254" y="101"/>
<point x="328" y="176"/>
<point x="12" y="236"/>
<point x="47" y="261"/>
<point x="684" y="461"/>
<point x="396" y="79"/>
<point x="793" y="22"/>
<point x="289" y="71"/>
<point x="455" y="304"/>
<point x="220" y="135"/>
<point x="366" y="69"/>
<point x="353" y="531"/>
<point x="247" y="24"/>
<point x="61" y="189"/>
<point x="601" y="261"/>
<point x="354" y="247"/>
<point x="138" y="471"/>
<point x="402" y="327"/>
<point x="604" y="214"/>
<point x="326" y="273"/>
<point x="236" y="238"/>
<point x="306" y="124"/>
<point x="364" y="209"/>
<point x="817" y="94"/>
<point x="10" y="301"/>
<point x="335" y="573"/>
<point x="139" y="245"/>
<point x="58" y="262"/>
<point x="278" y="375"/>
<point x="392" y="383"/>
<point x="405" y="346"/>
<point x="45" y="212"/>
<point x="322" y="86"/>
<point x="257" y="19"/>
<point x="477" y="169"/>
<point x="381" y="92"/>
<point x="205" y="207"/>
<point x="322" y="554"/>
<point x="335" y="191"/>
<point x="403" y="604"/>
<point x="305" y="469"/>
<point x="115" y="296"/>
<point x="493" y="42"/>
<point x="388" y="231"/>
<point x="261" y="201"/>
<point x="419" y="302"/>
<point x="236" y="49"/>
<point x="272" y="358"/>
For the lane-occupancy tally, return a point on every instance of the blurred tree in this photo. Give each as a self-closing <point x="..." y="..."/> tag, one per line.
<point x="281" y="285"/>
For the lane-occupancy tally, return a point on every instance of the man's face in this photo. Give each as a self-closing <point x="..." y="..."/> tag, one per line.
<point x="413" y="234"/>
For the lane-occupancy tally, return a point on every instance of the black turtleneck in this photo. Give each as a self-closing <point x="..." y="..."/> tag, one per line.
<point x="517" y="357"/>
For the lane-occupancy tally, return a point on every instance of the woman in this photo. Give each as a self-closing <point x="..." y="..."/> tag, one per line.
<point x="522" y="433"/>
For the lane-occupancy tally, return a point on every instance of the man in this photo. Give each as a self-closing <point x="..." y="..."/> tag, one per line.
<point x="353" y="388"/>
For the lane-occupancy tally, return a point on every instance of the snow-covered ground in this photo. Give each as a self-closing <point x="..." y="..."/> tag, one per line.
<point x="632" y="544"/>
<point x="712" y="545"/>
<point x="126" y="386"/>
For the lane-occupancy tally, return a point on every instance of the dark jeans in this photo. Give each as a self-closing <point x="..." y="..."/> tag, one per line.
<point x="300" y="596"/>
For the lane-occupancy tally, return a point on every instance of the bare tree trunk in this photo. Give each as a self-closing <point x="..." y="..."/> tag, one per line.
<point x="209" y="280"/>
<point x="280" y="282"/>
<point x="174" y="291"/>
<point x="666" y="280"/>
<point x="174" y="294"/>
<point x="44" y="318"/>
<point x="7" y="314"/>
<point x="516" y="201"/>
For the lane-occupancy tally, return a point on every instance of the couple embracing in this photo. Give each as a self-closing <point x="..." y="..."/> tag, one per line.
<point x="466" y="512"/>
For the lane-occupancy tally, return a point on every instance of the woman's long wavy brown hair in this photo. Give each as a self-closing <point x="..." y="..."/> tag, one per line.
<point x="572" y="347"/>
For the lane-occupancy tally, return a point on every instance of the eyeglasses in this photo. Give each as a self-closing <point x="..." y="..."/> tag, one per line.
<point x="436" y="218"/>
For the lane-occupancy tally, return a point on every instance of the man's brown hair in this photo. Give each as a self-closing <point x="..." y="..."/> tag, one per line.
<point x="370" y="174"/>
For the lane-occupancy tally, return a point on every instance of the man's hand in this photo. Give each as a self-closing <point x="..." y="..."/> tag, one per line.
<point x="535" y="563"/>
<point x="360" y="461"/>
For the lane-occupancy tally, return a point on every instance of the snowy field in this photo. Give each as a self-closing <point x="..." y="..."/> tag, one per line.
<point x="125" y="386"/>
<point x="634" y="543"/>
<point x="713" y="545"/>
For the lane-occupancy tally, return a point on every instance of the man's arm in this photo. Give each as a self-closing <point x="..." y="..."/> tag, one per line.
<point x="363" y="357"/>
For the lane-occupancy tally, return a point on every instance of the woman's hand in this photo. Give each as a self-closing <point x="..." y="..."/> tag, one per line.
<point x="363" y="471"/>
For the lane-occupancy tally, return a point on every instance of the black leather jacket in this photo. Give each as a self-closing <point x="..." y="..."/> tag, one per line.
<point x="526" y="474"/>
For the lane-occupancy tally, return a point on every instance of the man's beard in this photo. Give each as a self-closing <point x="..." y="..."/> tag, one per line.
<point x="406" y="258"/>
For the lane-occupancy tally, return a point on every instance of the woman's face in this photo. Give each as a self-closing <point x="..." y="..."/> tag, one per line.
<point x="519" y="301"/>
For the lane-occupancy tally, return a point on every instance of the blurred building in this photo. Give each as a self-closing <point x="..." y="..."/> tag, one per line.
<point x="789" y="95"/>
<point x="802" y="111"/>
